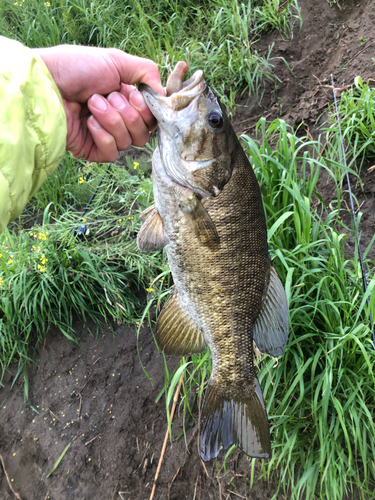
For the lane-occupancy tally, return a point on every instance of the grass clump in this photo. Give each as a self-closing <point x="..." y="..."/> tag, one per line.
<point x="217" y="36"/>
<point x="48" y="276"/>
<point x="321" y="395"/>
<point x="356" y="109"/>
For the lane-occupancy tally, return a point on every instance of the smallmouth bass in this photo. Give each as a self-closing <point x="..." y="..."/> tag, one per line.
<point x="208" y="215"/>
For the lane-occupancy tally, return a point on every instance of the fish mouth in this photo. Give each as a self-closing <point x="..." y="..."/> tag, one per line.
<point x="171" y="112"/>
<point x="160" y="105"/>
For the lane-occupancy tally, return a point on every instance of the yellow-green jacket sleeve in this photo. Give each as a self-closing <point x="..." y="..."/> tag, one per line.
<point x="32" y="127"/>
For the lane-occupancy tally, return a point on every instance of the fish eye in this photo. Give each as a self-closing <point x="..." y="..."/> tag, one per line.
<point x="215" y="119"/>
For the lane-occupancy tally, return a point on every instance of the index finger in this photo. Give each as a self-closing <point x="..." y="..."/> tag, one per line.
<point x="134" y="70"/>
<point x="139" y="103"/>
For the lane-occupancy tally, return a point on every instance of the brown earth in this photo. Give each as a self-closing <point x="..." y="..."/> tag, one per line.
<point x="97" y="397"/>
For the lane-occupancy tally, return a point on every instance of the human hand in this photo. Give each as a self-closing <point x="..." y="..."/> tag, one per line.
<point x="105" y="113"/>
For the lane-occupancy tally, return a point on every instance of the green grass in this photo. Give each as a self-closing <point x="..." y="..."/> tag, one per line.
<point x="356" y="109"/>
<point x="321" y="395"/>
<point x="49" y="276"/>
<point x="214" y="35"/>
<point x="217" y="36"/>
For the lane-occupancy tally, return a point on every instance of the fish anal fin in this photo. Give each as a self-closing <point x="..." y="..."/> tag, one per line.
<point x="240" y="420"/>
<point x="176" y="333"/>
<point x="271" y="328"/>
<point x="152" y="235"/>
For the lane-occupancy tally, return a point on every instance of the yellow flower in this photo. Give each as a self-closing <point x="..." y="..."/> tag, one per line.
<point x="10" y="261"/>
<point x="47" y="4"/>
<point x="1" y="281"/>
<point x="1" y="254"/>
<point x="81" y="180"/>
<point x="135" y="165"/>
<point x="120" y="220"/>
<point x="83" y="220"/>
<point x="15" y="3"/>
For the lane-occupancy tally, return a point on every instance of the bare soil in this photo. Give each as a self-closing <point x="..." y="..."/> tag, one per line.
<point x="97" y="397"/>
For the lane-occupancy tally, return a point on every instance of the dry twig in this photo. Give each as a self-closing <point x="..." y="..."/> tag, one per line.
<point x="325" y="145"/>
<point x="93" y="439"/>
<point x="195" y="487"/>
<point x="53" y="415"/>
<point x="170" y="484"/>
<point x="8" y="480"/>
<point x="237" y="494"/>
<point x="360" y="52"/>
<point x="175" y="399"/>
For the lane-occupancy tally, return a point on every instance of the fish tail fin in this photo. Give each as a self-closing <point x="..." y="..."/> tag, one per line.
<point x="240" y="420"/>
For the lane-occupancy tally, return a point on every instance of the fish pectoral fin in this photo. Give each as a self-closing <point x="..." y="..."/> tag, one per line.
<point x="202" y="224"/>
<point x="152" y="235"/>
<point x="242" y="421"/>
<point x="176" y="333"/>
<point x="271" y="328"/>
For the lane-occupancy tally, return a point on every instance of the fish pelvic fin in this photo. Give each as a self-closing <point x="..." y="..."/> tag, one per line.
<point x="176" y="333"/>
<point x="143" y="216"/>
<point x="271" y="328"/>
<point x="240" y="420"/>
<point x="151" y="235"/>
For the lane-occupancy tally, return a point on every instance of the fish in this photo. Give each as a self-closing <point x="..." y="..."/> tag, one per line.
<point x="209" y="217"/>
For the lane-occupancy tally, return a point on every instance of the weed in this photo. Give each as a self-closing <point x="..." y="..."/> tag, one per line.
<point x="356" y="109"/>
<point x="48" y="276"/>
<point x="216" y="36"/>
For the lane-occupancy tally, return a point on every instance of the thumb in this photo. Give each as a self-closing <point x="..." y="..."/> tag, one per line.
<point x="134" y="70"/>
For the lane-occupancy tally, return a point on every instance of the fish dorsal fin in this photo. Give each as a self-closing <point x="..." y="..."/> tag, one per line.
<point x="176" y="333"/>
<point x="151" y="235"/>
<point x="271" y="328"/>
<point x="202" y="224"/>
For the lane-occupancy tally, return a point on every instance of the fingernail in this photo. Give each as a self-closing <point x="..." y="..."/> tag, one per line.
<point x="116" y="100"/>
<point x="136" y="99"/>
<point x="94" y="122"/>
<point x="98" y="102"/>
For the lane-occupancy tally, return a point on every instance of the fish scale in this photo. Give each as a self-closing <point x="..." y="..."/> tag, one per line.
<point x="208" y="215"/>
